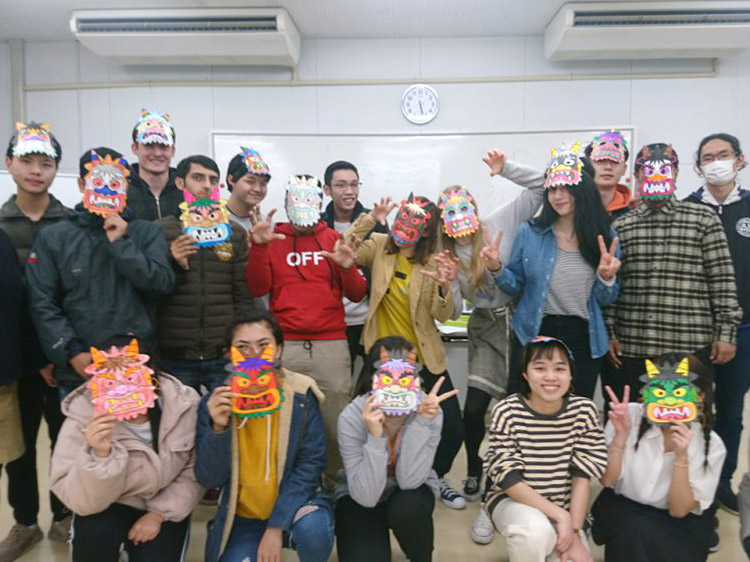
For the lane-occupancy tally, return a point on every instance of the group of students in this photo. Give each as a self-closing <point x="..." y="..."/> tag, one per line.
<point x="119" y="314"/>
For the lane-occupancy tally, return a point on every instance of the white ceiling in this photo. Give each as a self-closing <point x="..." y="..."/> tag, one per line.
<point x="47" y="20"/>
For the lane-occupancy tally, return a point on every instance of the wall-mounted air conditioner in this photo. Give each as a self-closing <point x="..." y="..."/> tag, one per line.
<point x="232" y="36"/>
<point x="648" y="30"/>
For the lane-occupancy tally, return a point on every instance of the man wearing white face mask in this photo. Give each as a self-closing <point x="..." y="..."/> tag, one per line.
<point x="718" y="160"/>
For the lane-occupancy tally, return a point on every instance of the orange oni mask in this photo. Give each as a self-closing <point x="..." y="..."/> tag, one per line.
<point x="255" y="384"/>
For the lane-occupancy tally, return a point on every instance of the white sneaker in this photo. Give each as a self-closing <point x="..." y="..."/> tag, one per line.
<point x="451" y="497"/>
<point x="482" y="530"/>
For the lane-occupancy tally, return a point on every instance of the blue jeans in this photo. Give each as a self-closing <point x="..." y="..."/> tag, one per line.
<point x="311" y="536"/>
<point x="196" y="372"/>
<point x="732" y="383"/>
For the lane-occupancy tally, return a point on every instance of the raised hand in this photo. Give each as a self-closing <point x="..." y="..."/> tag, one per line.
<point x="446" y="270"/>
<point x="430" y="405"/>
<point x="680" y="435"/>
<point x="344" y="253"/>
<point x="619" y="414"/>
<point x="181" y="249"/>
<point x="98" y="433"/>
<point x="373" y="416"/>
<point x="382" y="209"/>
<point x="490" y="254"/>
<point x="495" y="159"/>
<point x="262" y="229"/>
<point x="609" y="264"/>
<point x="219" y="407"/>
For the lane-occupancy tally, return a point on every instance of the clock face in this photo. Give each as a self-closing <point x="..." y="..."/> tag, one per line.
<point x="420" y="104"/>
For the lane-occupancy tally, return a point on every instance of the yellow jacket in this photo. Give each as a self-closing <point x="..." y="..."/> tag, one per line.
<point x="426" y="303"/>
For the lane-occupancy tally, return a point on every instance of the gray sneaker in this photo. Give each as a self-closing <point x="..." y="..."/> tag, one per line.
<point x="19" y="540"/>
<point x="60" y="530"/>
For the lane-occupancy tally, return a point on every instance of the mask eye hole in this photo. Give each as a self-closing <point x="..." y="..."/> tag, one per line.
<point x="386" y="379"/>
<point x="680" y="392"/>
<point x="263" y="380"/>
<point x="660" y="392"/>
<point x="404" y="381"/>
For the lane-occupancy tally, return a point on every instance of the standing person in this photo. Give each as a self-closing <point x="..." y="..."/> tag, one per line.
<point x="91" y="276"/>
<point x="661" y="475"/>
<point x="683" y="248"/>
<point x="411" y="288"/>
<point x="153" y="193"/>
<point x="209" y="256"/>
<point x="564" y="267"/>
<point x="718" y="160"/>
<point x="307" y="272"/>
<point x="261" y="438"/>
<point x="545" y="444"/>
<point x="342" y="185"/>
<point x="32" y="158"/>
<point x="388" y="436"/>
<point x="126" y="468"/>
<point x="248" y="176"/>
<point x="608" y="153"/>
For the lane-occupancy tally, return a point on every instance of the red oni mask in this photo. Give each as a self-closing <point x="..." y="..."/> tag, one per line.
<point x="254" y="381"/>
<point x="120" y="382"/>
<point x="396" y="384"/>
<point x="411" y="221"/>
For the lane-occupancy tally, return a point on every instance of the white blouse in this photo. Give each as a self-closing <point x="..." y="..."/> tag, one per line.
<point x="647" y="472"/>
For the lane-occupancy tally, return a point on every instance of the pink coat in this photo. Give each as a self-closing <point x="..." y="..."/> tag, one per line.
<point x="133" y="474"/>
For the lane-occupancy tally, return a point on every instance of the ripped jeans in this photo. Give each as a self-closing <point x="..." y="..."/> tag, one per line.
<point x="311" y="536"/>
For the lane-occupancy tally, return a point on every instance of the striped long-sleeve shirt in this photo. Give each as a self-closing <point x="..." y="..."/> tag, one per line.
<point x="677" y="287"/>
<point x="543" y="450"/>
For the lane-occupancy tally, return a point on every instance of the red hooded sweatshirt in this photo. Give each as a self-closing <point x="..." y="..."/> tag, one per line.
<point x="305" y="287"/>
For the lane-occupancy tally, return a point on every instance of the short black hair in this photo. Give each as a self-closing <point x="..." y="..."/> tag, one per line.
<point x="335" y="167"/>
<point x="545" y="349"/>
<point x="55" y="143"/>
<point x="392" y="344"/>
<point x="102" y="151"/>
<point x="733" y="141"/>
<point x="183" y="168"/>
<point x="237" y="168"/>
<point x="254" y="315"/>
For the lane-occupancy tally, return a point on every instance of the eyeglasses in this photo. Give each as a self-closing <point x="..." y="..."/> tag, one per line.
<point x="344" y="185"/>
<point x="725" y="155"/>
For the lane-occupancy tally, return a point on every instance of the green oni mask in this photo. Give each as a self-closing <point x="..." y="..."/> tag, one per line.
<point x="669" y="395"/>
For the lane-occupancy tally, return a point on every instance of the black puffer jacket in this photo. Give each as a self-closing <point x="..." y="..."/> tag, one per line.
<point x="10" y="305"/>
<point x="84" y="290"/>
<point x="144" y="205"/>
<point x="193" y="318"/>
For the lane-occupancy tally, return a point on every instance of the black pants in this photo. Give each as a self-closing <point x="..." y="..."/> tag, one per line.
<point x="362" y="532"/>
<point x="574" y="331"/>
<point x="452" y="434"/>
<point x="356" y="349"/>
<point x="36" y="399"/>
<point x="475" y="407"/>
<point x="97" y="538"/>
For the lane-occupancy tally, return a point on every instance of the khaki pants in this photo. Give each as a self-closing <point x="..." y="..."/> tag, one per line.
<point x="529" y="535"/>
<point x="11" y="444"/>
<point x="326" y="361"/>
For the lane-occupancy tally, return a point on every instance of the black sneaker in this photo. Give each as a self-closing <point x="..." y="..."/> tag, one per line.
<point x="713" y="546"/>
<point x="727" y="499"/>
<point x="471" y="489"/>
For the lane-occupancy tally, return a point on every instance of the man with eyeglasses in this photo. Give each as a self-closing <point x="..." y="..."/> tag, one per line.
<point x="342" y="186"/>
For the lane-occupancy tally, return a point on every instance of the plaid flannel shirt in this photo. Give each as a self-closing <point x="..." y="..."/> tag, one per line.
<point x="678" y="292"/>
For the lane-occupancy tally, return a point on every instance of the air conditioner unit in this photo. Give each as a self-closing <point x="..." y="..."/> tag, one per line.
<point x="648" y="30"/>
<point x="231" y="36"/>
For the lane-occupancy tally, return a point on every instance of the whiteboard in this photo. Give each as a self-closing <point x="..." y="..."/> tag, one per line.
<point x="395" y="165"/>
<point x="65" y="188"/>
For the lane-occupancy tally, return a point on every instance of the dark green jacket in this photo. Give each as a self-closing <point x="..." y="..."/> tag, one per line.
<point x="84" y="290"/>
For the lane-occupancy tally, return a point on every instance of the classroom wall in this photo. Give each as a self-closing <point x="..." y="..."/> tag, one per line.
<point x="678" y="110"/>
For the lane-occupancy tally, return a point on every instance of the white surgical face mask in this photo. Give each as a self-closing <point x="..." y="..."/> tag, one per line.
<point x="719" y="172"/>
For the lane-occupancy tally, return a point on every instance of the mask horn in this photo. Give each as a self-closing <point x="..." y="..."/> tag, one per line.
<point x="684" y="367"/>
<point x="412" y="357"/>
<point x="267" y="353"/>
<point x="236" y="356"/>
<point x="98" y="357"/>
<point x="132" y="349"/>
<point x="384" y="355"/>
<point x="651" y="369"/>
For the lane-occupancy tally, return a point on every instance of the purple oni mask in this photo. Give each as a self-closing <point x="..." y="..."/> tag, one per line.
<point x="396" y="384"/>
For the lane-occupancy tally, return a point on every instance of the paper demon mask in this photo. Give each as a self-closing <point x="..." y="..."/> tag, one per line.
<point x="254" y="380"/>
<point x="254" y="162"/>
<point x="410" y="222"/>
<point x="154" y="128"/>
<point x="34" y="138"/>
<point x="657" y="165"/>
<point x="458" y="213"/>
<point x="303" y="200"/>
<point x="609" y="146"/>
<point x="205" y="219"/>
<point x="120" y="382"/>
<point x="669" y="395"/>
<point x="564" y="168"/>
<point x="396" y="384"/>
<point x="106" y="185"/>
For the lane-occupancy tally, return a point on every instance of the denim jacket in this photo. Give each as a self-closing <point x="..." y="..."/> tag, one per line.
<point x="529" y="272"/>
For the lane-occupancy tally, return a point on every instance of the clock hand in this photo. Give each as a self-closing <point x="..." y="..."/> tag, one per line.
<point x="420" y="108"/>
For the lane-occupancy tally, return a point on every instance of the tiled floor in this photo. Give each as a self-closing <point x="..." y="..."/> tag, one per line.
<point x="452" y="540"/>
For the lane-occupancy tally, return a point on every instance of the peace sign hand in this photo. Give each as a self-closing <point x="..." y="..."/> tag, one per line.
<point x="495" y="159"/>
<point x="373" y="416"/>
<point x="609" y="264"/>
<point x="490" y="254"/>
<point x="262" y="229"/>
<point x="430" y="405"/>
<point x="382" y="209"/>
<point x="619" y="413"/>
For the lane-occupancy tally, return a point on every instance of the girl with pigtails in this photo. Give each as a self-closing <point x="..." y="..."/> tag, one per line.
<point x="664" y="463"/>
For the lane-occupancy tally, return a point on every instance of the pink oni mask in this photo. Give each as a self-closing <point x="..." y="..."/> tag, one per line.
<point x="154" y="128"/>
<point x="656" y="164"/>
<point x="609" y="146"/>
<point x="458" y="213"/>
<point x="106" y="185"/>
<point x="396" y="384"/>
<point x="411" y="221"/>
<point x="121" y="382"/>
